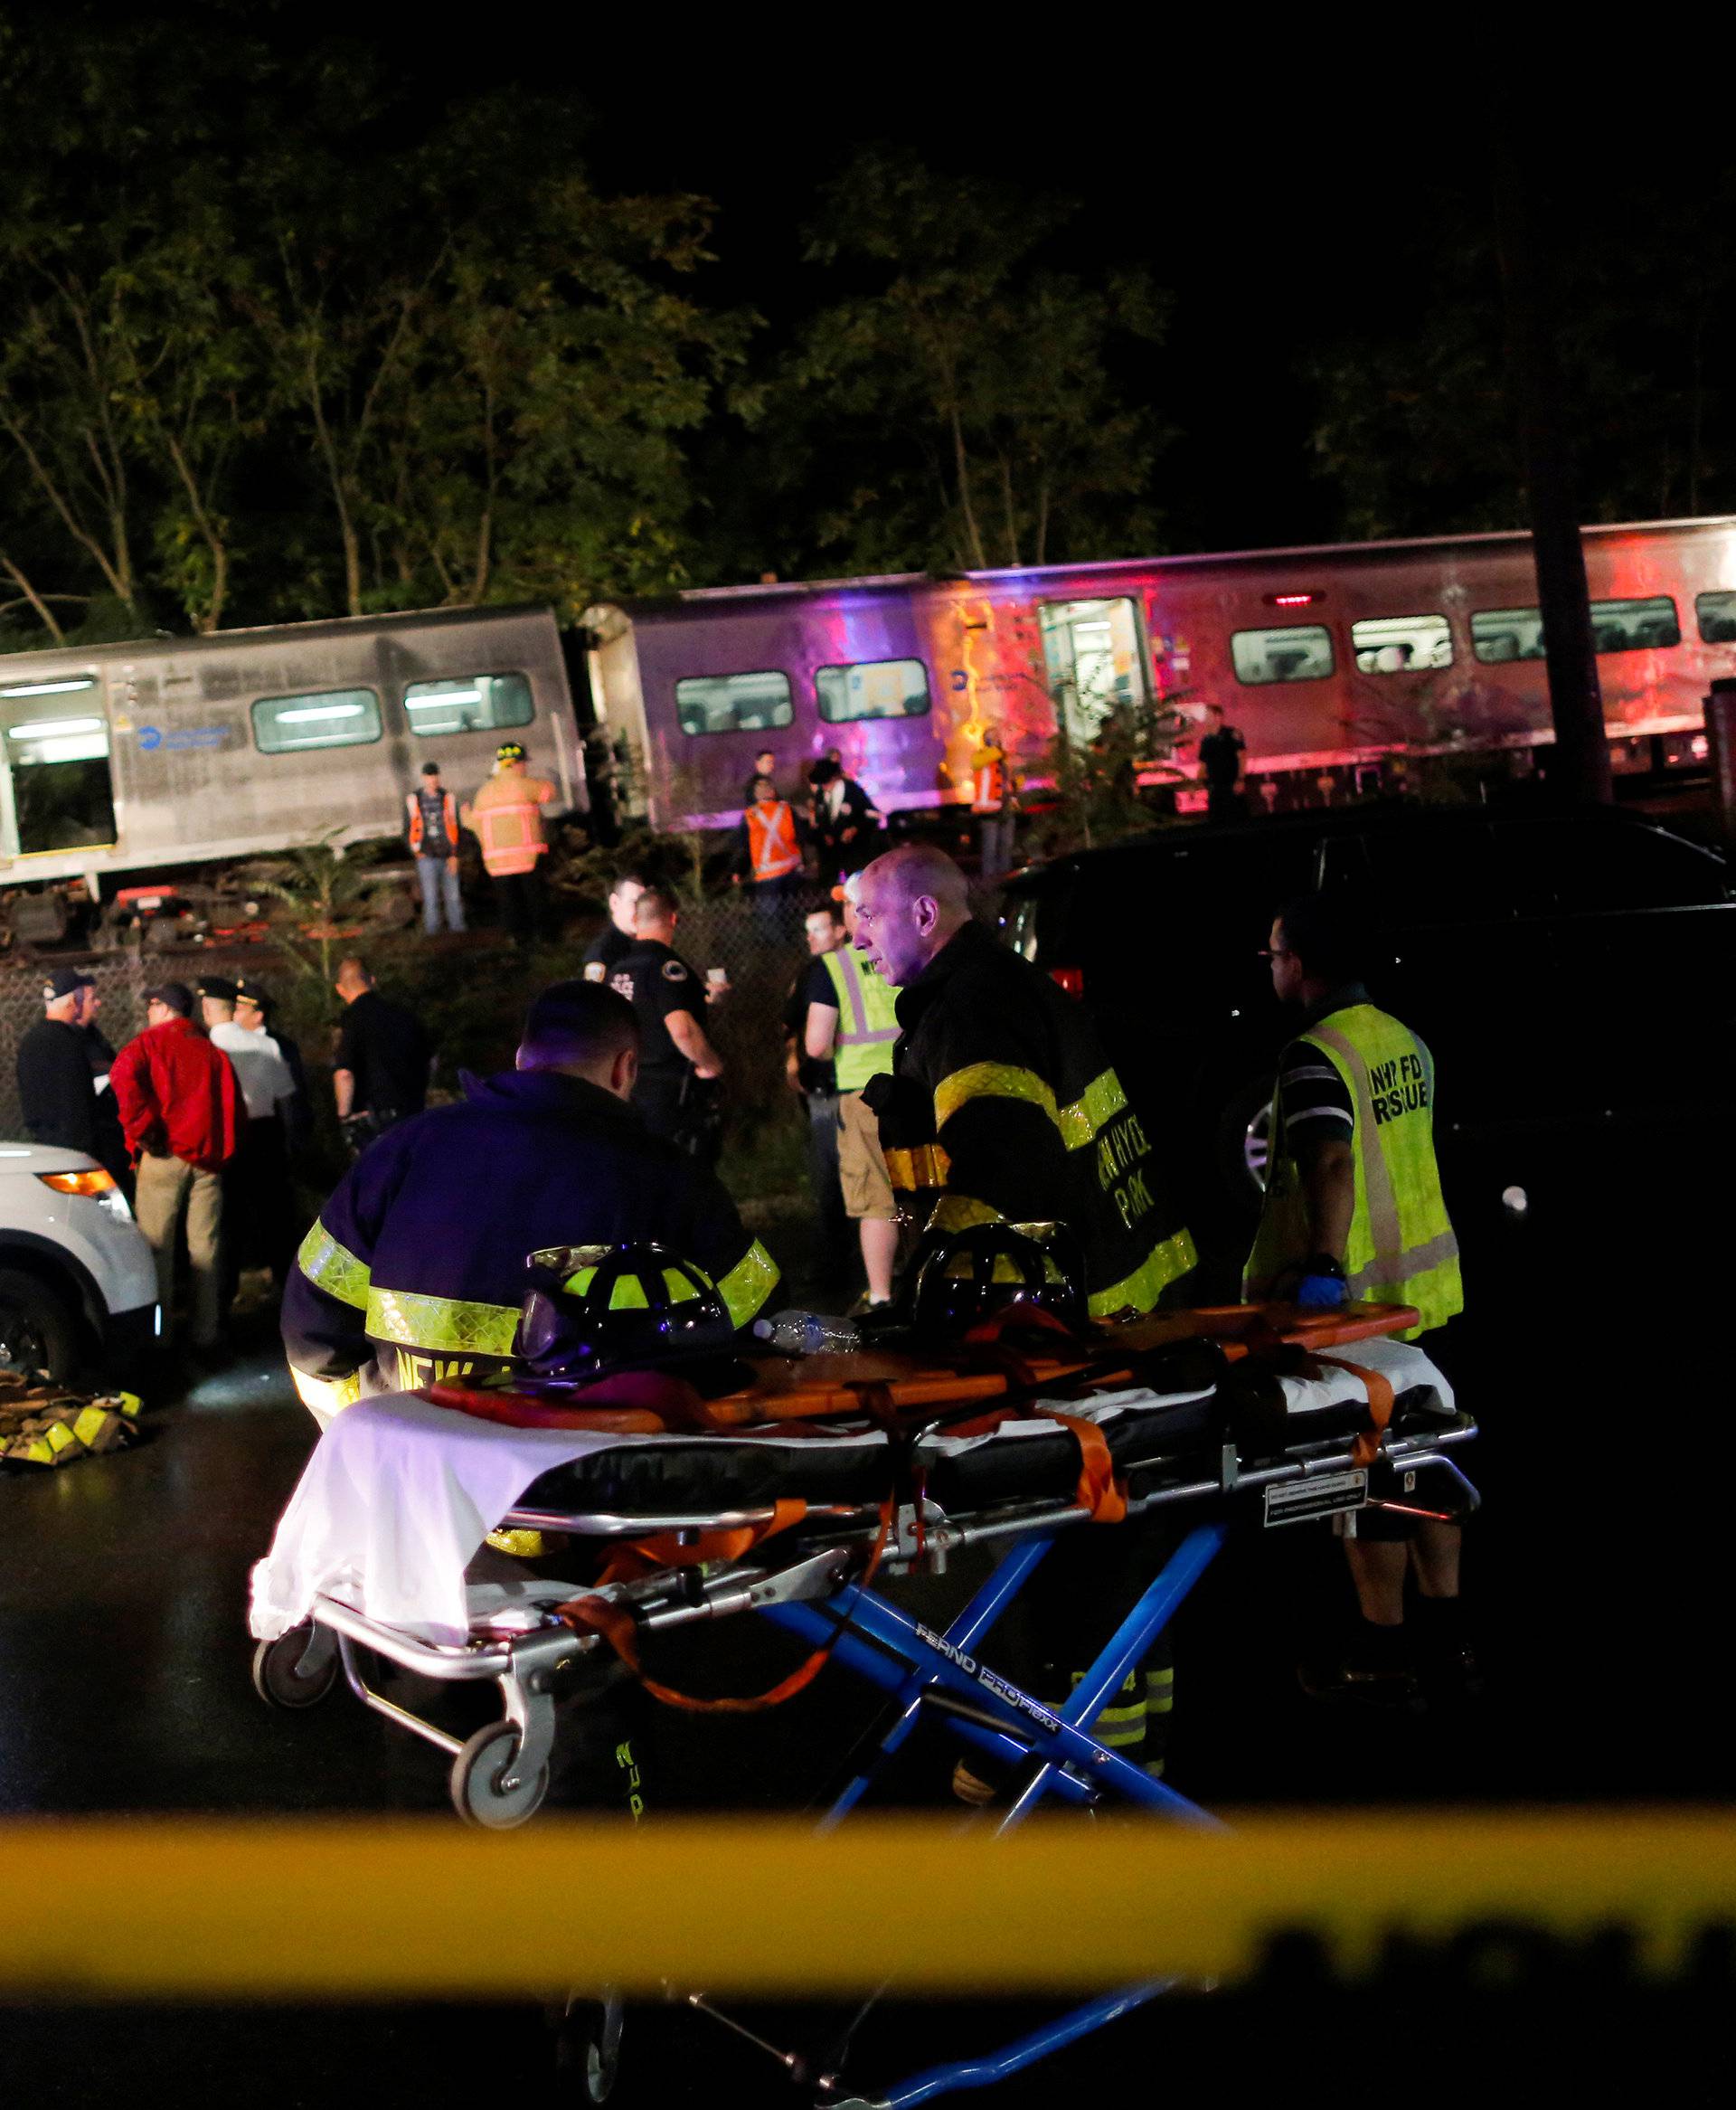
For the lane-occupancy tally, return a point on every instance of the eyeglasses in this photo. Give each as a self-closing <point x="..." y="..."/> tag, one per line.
<point x="1277" y="953"/>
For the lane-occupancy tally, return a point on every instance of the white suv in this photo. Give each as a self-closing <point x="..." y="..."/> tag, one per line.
<point x="77" y="1280"/>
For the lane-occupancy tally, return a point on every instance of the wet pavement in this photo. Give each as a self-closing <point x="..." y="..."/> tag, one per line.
<point x="1597" y="1568"/>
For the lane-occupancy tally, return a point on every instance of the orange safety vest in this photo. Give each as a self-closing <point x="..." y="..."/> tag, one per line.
<point x="508" y="822"/>
<point x="988" y="782"/>
<point x="448" y="807"/>
<point x="773" y="847"/>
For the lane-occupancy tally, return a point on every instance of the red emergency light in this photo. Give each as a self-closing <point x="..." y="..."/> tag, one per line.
<point x="1293" y="599"/>
<point x="1071" y="978"/>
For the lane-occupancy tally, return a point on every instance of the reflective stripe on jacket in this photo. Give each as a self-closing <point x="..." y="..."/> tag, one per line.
<point x="1001" y="1106"/>
<point x="414" y="1272"/>
<point x="506" y="816"/>
<point x="867" y="1018"/>
<point x="772" y="848"/>
<point x="1401" y="1248"/>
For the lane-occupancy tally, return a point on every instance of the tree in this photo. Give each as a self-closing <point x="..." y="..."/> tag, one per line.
<point x="963" y="409"/>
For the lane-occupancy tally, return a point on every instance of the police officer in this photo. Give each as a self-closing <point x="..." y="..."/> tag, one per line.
<point x="415" y="1271"/>
<point x="1222" y="757"/>
<point x="618" y="936"/>
<point x="1354" y="1209"/>
<point x="63" y="1064"/>
<point x="1001" y="1106"/>
<point x="678" y="1066"/>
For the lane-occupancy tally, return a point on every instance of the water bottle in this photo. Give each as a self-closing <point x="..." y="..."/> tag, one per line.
<point x="806" y="1334"/>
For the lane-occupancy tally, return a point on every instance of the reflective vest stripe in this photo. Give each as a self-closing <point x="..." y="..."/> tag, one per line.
<point x="867" y="1020"/>
<point x="746" y="1286"/>
<point x="961" y="1212"/>
<point x="1166" y="1263"/>
<point x="772" y="841"/>
<point x="989" y="785"/>
<point x="1100" y="1102"/>
<point x="1392" y="1264"/>
<point x="333" y="1267"/>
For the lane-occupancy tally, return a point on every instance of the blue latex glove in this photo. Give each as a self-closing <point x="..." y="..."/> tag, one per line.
<point x="1322" y="1292"/>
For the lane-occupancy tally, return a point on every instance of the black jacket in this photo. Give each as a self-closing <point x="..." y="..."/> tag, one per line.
<point x="417" y="1262"/>
<point x="57" y="1090"/>
<point x="1001" y="1105"/>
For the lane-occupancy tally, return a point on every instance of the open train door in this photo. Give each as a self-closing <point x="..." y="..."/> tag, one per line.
<point x="56" y="790"/>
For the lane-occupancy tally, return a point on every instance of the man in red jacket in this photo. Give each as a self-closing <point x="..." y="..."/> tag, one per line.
<point x="180" y="1108"/>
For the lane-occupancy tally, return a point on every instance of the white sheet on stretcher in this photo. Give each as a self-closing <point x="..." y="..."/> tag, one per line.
<point x="399" y="1493"/>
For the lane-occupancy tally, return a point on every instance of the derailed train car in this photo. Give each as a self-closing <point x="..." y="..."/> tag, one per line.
<point x="1333" y="662"/>
<point x="170" y="752"/>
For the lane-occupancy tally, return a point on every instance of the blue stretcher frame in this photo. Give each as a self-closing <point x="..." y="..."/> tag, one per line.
<point x="940" y="1673"/>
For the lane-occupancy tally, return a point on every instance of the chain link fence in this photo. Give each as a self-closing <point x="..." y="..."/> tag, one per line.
<point x="121" y="980"/>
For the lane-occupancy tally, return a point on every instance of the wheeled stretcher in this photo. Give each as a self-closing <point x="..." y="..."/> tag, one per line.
<point x="799" y="1496"/>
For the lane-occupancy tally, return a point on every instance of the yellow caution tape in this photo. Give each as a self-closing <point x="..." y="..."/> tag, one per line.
<point x="353" y="1909"/>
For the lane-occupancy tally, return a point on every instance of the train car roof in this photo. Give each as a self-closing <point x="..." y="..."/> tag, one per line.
<point x="695" y="598"/>
<point x="328" y="626"/>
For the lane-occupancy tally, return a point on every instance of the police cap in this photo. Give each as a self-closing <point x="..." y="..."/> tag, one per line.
<point x="218" y="988"/>
<point x="64" y="981"/>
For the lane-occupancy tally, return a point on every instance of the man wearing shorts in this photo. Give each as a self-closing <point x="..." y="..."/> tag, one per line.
<point x="857" y="1030"/>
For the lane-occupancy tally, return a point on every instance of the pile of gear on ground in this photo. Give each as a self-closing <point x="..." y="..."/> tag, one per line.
<point x="44" y="1423"/>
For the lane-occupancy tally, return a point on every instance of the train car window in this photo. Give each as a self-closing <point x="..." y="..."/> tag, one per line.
<point x="1716" y="614"/>
<point x="1301" y="652"/>
<point x="332" y="718"/>
<point x="874" y="688"/>
<point x="1501" y="634"/>
<point x="63" y="794"/>
<point x="733" y="703"/>
<point x="1635" y="626"/>
<point x="477" y="702"/>
<point x="1402" y="644"/>
<point x="1091" y="651"/>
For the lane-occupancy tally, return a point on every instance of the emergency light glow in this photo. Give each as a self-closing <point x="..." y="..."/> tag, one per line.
<point x="49" y="689"/>
<point x="1293" y="599"/>
<point x="319" y="711"/>
<point x="38" y="727"/>
<point x="450" y="695"/>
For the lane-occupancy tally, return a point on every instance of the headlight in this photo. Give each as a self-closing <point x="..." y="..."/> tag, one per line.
<point x="97" y="1186"/>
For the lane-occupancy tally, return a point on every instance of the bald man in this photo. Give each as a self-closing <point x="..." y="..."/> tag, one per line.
<point x="1002" y="1103"/>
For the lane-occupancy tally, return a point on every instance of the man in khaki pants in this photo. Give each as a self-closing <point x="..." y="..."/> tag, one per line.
<point x="180" y="1108"/>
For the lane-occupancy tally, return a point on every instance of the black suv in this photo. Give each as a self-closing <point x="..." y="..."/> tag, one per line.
<point x="1574" y="973"/>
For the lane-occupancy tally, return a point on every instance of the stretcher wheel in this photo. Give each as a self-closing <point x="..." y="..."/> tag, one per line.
<point x="477" y="1775"/>
<point x="297" y="1669"/>
<point x="588" y="2045"/>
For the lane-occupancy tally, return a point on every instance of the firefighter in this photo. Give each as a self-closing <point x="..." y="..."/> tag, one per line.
<point x="767" y="844"/>
<point x="1354" y="1209"/>
<point x="992" y="792"/>
<point x="506" y="818"/>
<point x="1002" y="1107"/>
<point x="1001" y="1104"/>
<point x="414" y="1272"/>
<point x="854" y="1026"/>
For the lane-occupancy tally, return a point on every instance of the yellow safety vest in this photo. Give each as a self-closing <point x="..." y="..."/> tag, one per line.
<point x="867" y="1021"/>
<point x="1402" y="1249"/>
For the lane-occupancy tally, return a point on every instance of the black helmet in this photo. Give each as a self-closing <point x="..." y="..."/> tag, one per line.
<point x="961" y="1278"/>
<point x="593" y="1309"/>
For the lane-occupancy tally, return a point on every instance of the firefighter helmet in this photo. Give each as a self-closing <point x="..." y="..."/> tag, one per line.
<point x="961" y="1278"/>
<point x="510" y="751"/>
<point x="593" y="1309"/>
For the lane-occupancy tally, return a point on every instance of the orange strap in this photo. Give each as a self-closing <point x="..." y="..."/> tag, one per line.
<point x="617" y="1627"/>
<point x="1367" y="1448"/>
<point x="1098" y="1491"/>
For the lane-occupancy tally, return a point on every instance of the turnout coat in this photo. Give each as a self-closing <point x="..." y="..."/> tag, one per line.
<point x="1003" y="1105"/>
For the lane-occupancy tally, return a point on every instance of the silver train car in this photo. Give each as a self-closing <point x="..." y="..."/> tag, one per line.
<point x="1330" y="661"/>
<point x="153" y="756"/>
